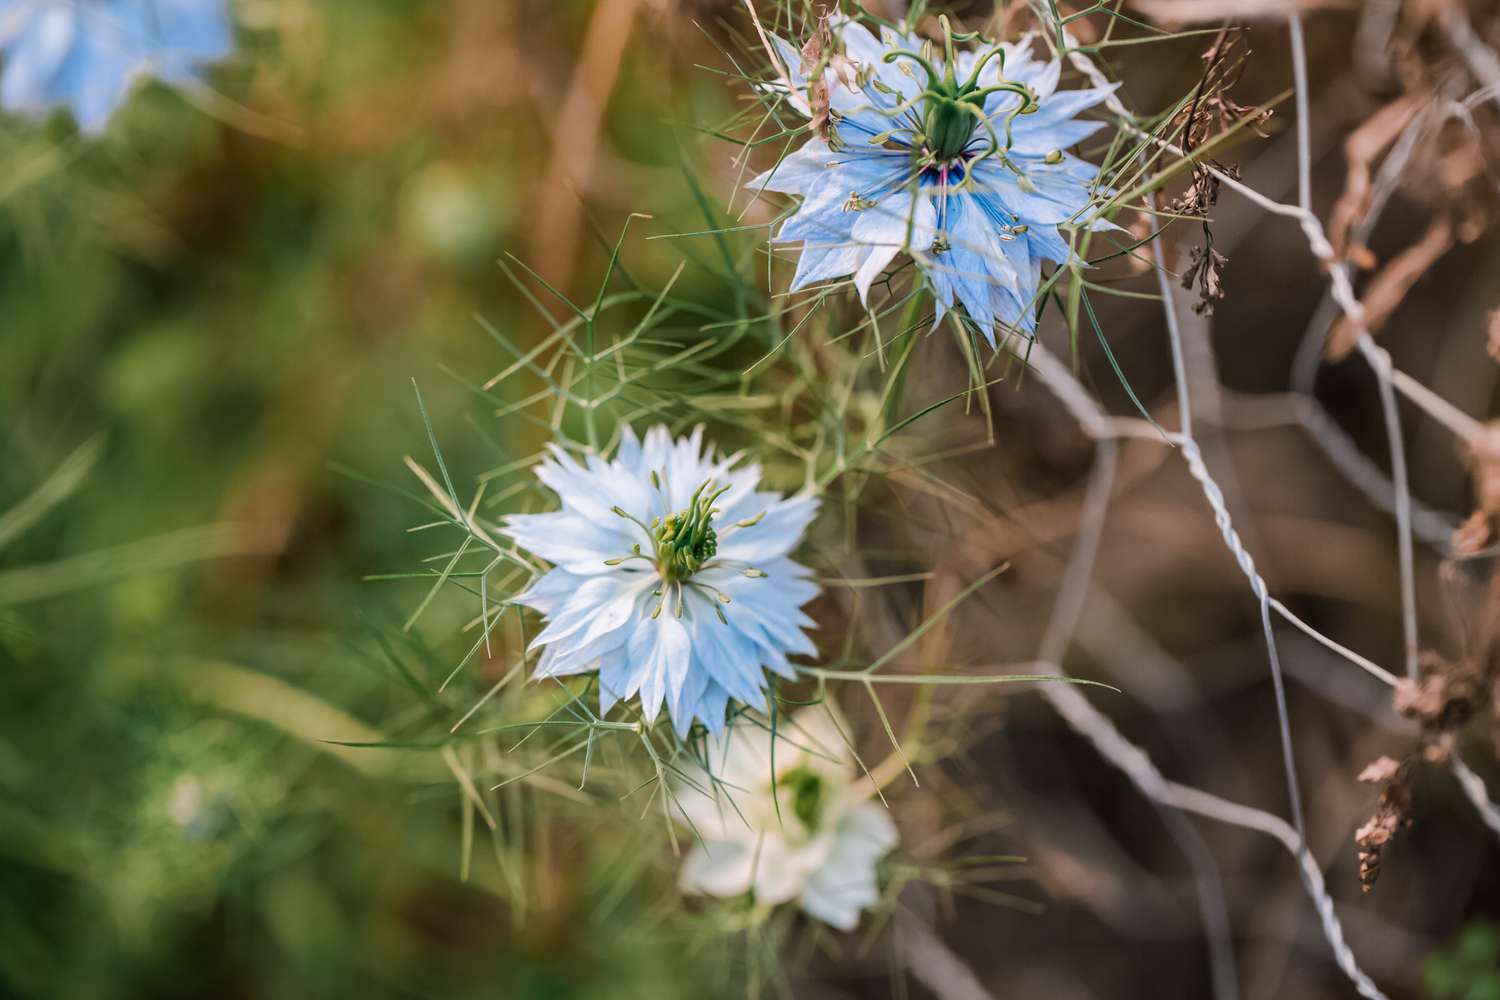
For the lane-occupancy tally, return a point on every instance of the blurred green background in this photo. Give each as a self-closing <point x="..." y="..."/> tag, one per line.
<point x="203" y="310"/>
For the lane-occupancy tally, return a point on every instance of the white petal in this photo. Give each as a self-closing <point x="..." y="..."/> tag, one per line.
<point x="723" y="868"/>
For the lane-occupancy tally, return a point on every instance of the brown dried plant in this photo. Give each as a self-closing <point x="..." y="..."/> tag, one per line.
<point x="1212" y="112"/>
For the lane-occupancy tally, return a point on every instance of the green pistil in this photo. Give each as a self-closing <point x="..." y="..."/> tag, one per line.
<point x="686" y="540"/>
<point x="806" y="790"/>
<point x="681" y="544"/>
<point x="951" y="110"/>
<point x="947" y="125"/>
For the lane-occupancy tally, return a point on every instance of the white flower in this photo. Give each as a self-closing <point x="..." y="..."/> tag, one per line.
<point x="792" y="830"/>
<point x="672" y="577"/>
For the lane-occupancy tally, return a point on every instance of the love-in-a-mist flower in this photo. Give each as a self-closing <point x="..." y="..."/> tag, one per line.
<point x="784" y="825"/>
<point x="959" y="158"/>
<point x="86" y="54"/>
<point x="672" y="576"/>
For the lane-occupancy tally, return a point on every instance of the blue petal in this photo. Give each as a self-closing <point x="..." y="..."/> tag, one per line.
<point x="1040" y="142"/>
<point x="660" y="654"/>
<point x="774" y="535"/>
<point x="799" y="172"/>
<point x="33" y="57"/>
<point x="190" y="33"/>
<point x="884" y="229"/>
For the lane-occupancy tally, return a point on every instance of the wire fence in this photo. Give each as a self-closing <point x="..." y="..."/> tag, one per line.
<point x="1412" y="522"/>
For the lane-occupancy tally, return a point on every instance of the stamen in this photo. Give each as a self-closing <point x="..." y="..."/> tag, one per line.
<point x="934" y="79"/>
<point x="722" y="597"/>
<point x="621" y="512"/>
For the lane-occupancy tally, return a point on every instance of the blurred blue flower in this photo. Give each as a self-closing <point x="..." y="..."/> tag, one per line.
<point x="671" y="577"/>
<point x="85" y="54"/>
<point x="958" y="160"/>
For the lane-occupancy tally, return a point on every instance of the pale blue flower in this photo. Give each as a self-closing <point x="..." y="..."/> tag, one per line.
<point x="86" y="54"/>
<point x="671" y="577"/>
<point x="959" y="159"/>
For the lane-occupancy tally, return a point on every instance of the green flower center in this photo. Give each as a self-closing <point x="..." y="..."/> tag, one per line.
<point x="681" y="544"/>
<point x="953" y="110"/>
<point x="686" y="540"/>
<point x="807" y="794"/>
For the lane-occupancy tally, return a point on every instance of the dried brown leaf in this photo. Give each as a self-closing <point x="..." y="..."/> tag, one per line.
<point x="1390" y="285"/>
<point x="1361" y="148"/>
<point x="1379" y="770"/>
<point x="1443" y="697"/>
<point x="1390" y="815"/>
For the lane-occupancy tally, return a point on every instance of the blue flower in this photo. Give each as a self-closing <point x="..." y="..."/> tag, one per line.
<point x="671" y="577"/>
<point x="960" y="162"/>
<point x="85" y="54"/>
